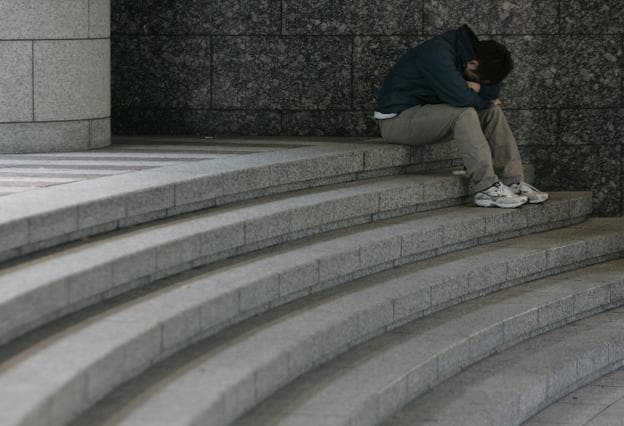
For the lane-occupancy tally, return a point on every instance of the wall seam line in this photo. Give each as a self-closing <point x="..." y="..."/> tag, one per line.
<point x="211" y="43"/>
<point x="32" y="54"/>
<point x="88" y="18"/>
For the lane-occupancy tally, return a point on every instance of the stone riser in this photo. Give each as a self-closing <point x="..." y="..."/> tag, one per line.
<point x="187" y="313"/>
<point x="238" y="375"/>
<point x="66" y="281"/>
<point x="536" y="373"/>
<point x="371" y="383"/>
<point x="78" y="210"/>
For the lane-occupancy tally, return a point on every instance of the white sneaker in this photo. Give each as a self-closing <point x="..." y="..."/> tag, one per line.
<point x="499" y="195"/>
<point x="534" y="195"/>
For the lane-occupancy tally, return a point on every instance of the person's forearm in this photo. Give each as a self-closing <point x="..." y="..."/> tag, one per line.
<point x="475" y="87"/>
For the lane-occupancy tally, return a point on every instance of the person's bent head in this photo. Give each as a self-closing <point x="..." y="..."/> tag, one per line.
<point x="493" y="63"/>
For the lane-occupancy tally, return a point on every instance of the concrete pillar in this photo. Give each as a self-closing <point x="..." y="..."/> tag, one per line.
<point x="54" y="75"/>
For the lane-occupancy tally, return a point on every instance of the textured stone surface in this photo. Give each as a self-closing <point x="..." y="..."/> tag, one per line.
<point x="128" y="121"/>
<point x="25" y="19"/>
<point x="211" y="17"/>
<point x="72" y="79"/>
<point x="99" y="18"/>
<point x="566" y="71"/>
<point x="523" y="16"/>
<point x="373" y="57"/>
<point x="16" y="81"/>
<point x="329" y="123"/>
<point x="127" y="16"/>
<point x="196" y="17"/>
<point x="352" y="17"/>
<point x="585" y="167"/>
<point x="592" y="16"/>
<point x="591" y="126"/>
<point x="282" y="72"/>
<point x="42" y="137"/>
<point x="161" y="72"/>
<point x="533" y="127"/>
<point x="100" y="133"/>
<point x="492" y="16"/>
<point x="442" y="15"/>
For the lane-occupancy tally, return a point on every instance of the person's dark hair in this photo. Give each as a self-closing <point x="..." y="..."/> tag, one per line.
<point x="495" y="61"/>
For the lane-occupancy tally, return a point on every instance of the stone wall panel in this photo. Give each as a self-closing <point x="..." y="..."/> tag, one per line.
<point x="203" y="122"/>
<point x="161" y="72"/>
<point x="44" y="137"/>
<point x="127" y="17"/>
<point x="99" y="18"/>
<point x="72" y="79"/>
<point x="44" y="19"/>
<point x="591" y="126"/>
<point x="282" y="73"/>
<point x="532" y="82"/>
<point x="16" y="81"/>
<point x="533" y="127"/>
<point x="443" y="15"/>
<point x="592" y="16"/>
<point x="352" y="17"/>
<point x="230" y="17"/>
<point x="597" y="168"/>
<point x="329" y="123"/>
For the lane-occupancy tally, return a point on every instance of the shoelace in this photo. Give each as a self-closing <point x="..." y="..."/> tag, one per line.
<point x="502" y="189"/>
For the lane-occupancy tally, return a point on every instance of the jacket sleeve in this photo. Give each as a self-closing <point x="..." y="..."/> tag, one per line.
<point x="449" y="84"/>
<point x="490" y="92"/>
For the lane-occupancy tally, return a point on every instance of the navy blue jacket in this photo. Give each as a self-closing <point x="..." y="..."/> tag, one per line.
<point x="432" y="73"/>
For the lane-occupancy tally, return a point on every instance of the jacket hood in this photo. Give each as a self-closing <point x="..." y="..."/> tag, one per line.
<point x="462" y="39"/>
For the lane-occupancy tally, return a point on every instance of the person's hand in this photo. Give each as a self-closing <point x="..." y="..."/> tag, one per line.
<point x="497" y="102"/>
<point x="475" y="87"/>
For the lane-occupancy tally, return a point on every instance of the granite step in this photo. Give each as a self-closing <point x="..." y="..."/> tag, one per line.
<point x="370" y="383"/>
<point x="35" y="220"/>
<point x="64" y="373"/>
<point x="510" y="387"/>
<point x="46" y="287"/>
<point x="222" y="377"/>
<point x="600" y="403"/>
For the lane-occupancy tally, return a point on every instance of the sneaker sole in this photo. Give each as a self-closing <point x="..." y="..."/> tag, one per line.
<point x="539" y="201"/>
<point x="488" y="203"/>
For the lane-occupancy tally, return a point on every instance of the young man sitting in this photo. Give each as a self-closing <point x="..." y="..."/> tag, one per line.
<point x="447" y="88"/>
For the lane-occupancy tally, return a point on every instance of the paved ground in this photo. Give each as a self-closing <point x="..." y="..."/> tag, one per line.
<point x="26" y="172"/>
<point x="600" y="403"/>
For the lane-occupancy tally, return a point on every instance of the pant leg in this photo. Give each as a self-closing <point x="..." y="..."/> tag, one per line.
<point x="505" y="155"/>
<point x="425" y="124"/>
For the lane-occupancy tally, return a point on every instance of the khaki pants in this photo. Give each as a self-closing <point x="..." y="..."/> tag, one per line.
<point x="483" y="138"/>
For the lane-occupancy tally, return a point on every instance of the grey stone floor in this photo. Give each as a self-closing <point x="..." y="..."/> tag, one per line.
<point x="600" y="403"/>
<point x="26" y="172"/>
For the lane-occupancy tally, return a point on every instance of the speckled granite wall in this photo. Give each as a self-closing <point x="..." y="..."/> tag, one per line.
<point x="313" y="67"/>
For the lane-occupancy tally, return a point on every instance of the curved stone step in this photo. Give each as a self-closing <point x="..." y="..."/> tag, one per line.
<point x="200" y="305"/>
<point x="35" y="220"/>
<point x="47" y="287"/>
<point x="237" y="370"/>
<point x="601" y="403"/>
<point x="512" y="386"/>
<point x="372" y="382"/>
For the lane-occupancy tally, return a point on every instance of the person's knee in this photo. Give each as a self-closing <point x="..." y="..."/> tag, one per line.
<point x="469" y="116"/>
<point x="493" y="111"/>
